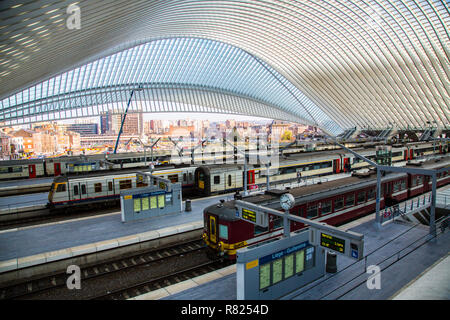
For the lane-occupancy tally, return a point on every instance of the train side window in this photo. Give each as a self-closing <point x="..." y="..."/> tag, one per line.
<point x="125" y="184"/>
<point x="173" y="178"/>
<point x="361" y="197"/>
<point x="216" y="179"/>
<point x="338" y="203"/>
<point x="396" y="186"/>
<point x="326" y="207"/>
<point x="371" y="194"/>
<point x="83" y="189"/>
<point x="61" y="187"/>
<point x="110" y="186"/>
<point x="97" y="187"/>
<point x="312" y="211"/>
<point x="350" y="200"/>
<point x="190" y="175"/>
<point x="403" y="187"/>
<point x="223" y="231"/>
<point x="419" y="180"/>
<point x="184" y="177"/>
<point x="229" y="180"/>
<point x="75" y="190"/>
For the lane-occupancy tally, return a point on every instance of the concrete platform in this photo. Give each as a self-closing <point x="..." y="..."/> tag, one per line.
<point x="390" y="241"/>
<point x="41" y="244"/>
<point x="21" y="203"/>
<point x="22" y="183"/>
<point x="432" y="284"/>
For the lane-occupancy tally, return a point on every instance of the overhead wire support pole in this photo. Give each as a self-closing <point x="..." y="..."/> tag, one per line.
<point x="123" y="119"/>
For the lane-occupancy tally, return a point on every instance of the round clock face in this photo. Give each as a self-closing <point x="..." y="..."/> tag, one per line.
<point x="287" y="201"/>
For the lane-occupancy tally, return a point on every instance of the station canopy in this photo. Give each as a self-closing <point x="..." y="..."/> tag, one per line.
<point x="332" y="64"/>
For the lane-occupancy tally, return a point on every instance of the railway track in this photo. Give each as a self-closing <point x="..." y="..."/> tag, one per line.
<point x="163" y="281"/>
<point x="119" y="277"/>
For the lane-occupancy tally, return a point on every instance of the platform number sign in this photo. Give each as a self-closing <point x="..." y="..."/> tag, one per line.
<point x="332" y="242"/>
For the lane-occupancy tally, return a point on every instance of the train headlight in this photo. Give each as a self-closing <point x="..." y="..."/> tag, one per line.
<point x="220" y="246"/>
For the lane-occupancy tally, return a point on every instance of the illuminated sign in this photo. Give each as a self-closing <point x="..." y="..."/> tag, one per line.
<point x="249" y="215"/>
<point x="332" y="242"/>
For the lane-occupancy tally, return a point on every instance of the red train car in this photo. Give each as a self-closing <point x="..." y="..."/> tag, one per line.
<point x="334" y="202"/>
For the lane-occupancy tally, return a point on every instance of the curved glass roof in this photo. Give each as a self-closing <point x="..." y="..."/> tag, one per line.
<point x="170" y="75"/>
<point x="365" y="63"/>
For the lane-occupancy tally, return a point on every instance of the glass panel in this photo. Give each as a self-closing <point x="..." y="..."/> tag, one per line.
<point x="289" y="266"/>
<point x="299" y="261"/>
<point x="145" y="204"/>
<point x="161" y="201"/>
<point x="153" y="203"/>
<point x="137" y="205"/>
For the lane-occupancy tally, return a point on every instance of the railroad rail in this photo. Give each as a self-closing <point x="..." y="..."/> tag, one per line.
<point x="55" y="287"/>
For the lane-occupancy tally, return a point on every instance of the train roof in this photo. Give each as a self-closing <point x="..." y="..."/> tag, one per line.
<point x="316" y="192"/>
<point x="104" y="173"/>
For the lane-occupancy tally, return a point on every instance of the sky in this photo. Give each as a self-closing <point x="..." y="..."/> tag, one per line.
<point x="182" y="115"/>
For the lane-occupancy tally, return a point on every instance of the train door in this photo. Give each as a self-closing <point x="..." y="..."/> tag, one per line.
<point x="346" y="167"/>
<point x="32" y="170"/>
<point x="76" y="192"/>
<point x="250" y="178"/>
<point x="406" y="153"/>
<point x="411" y="154"/>
<point x="336" y="166"/>
<point x="57" y="167"/>
<point x="110" y="187"/>
<point x="213" y="229"/>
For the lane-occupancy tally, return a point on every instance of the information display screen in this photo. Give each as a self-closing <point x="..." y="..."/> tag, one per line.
<point x="277" y="270"/>
<point x="264" y="276"/>
<point x="249" y="215"/>
<point x="289" y="266"/>
<point x="283" y="264"/>
<point x="332" y="242"/>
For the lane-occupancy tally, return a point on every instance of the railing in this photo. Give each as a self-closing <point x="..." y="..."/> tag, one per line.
<point x="419" y="203"/>
<point x="443" y="199"/>
<point x="6" y="208"/>
<point x="356" y="272"/>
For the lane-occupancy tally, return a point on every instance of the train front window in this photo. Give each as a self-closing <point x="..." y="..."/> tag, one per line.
<point x="259" y="229"/>
<point x="61" y="187"/>
<point x="277" y="222"/>
<point x="223" y="231"/>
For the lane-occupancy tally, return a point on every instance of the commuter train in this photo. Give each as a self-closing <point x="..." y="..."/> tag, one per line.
<point x="73" y="165"/>
<point x="216" y="179"/>
<point x="103" y="189"/>
<point x="334" y="202"/>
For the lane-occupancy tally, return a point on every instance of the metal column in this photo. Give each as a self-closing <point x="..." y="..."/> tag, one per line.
<point x="377" y="213"/>
<point x="433" y="206"/>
